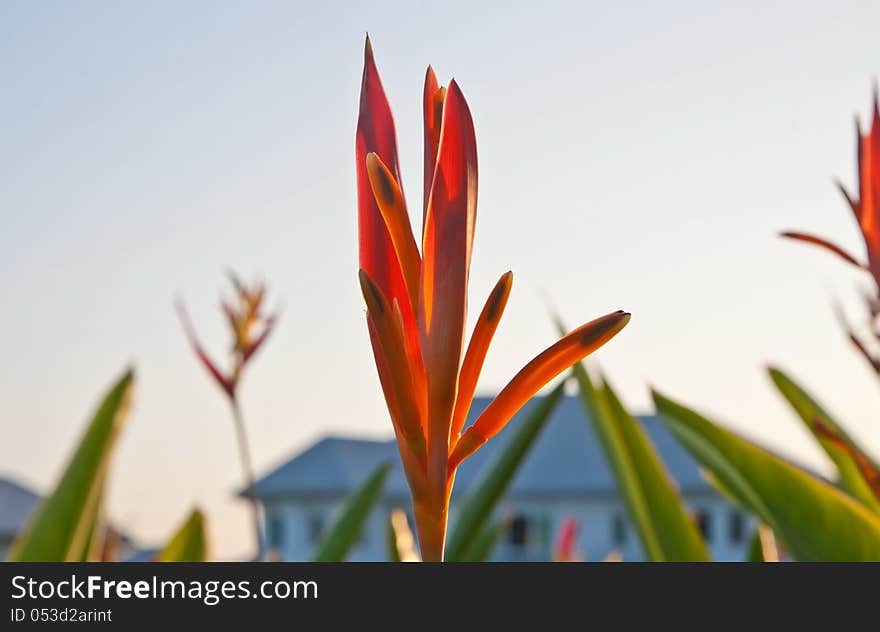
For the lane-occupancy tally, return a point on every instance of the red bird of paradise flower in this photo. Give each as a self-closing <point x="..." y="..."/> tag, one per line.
<point x="866" y="209"/>
<point x="566" y="541"/>
<point x="250" y="329"/>
<point x="416" y="300"/>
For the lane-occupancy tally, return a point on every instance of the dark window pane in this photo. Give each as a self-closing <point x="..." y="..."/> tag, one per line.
<point x="316" y="527"/>
<point x="704" y="522"/>
<point x="737" y="526"/>
<point x="275" y="530"/>
<point x="618" y="530"/>
<point x="519" y="531"/>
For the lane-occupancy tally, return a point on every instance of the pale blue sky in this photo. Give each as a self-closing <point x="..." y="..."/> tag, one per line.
<point x="632" y="155"/>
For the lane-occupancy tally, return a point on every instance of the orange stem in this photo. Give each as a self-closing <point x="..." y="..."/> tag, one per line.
<point x="430" y="519"/>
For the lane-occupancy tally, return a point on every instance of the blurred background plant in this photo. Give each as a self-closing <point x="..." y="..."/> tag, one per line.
<point x="565" y="549"/>
<point x="69" y="525"/>
<point x="250" y="328"/>
<point x="865" y="207"/>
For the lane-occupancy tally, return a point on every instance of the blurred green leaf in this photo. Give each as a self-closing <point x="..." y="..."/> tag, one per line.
<point x="667" y="531"/>
<point x="487" y="539"/>
<point x="810" y="412"/>
<point x="346" y="530"/>
<point x="652" y="495"/>
<point x="62" y="526"/>
<point x="478" y="507"/>
<point x="189" y="544"/>
<point x="814" y="520"/>
<point x="92" y="525"/>
<point x="391" y="540"/>
<point x="730" y="495"/>
<point x="756" y="553"/>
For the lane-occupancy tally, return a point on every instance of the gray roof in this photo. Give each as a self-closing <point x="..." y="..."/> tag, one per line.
<point x="16" y="504"/>
<point x="567" y="459"/>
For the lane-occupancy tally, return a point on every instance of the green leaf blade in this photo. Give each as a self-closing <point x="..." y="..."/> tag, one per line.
<point x="814" y="520"/>
<point x="345" y="531"/>
<point x="676" y="533"/>
<point x="478" y="507"/>
<point x="62" y="525"/>
<point x="810" y="411"/>
<point x="189" y="543"/>
<point x="487" y="539"/>
<point x="665" y="528"/>
<point x="391" y="541"/>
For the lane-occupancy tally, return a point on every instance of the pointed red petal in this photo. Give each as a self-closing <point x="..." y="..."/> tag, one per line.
<point x="860" y="347"/>
<point x="225" y="383"/>
<point x="824" y="243"/>
<point x="566" y="540"/>
<point x="433" y="112"/>
<point x="448" y="239"/>
<point x="853" y="204"/>
<point x="853" y="338"/>
<point x="533" y="377"/>
<point x="869" y="189"/>
<point x="375" y="133"/>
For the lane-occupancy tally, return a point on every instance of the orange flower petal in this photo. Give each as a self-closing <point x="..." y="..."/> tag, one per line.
<point x="818" y="241"/>
<point x="252" y="348"/>
<point x="392" y="207"/>
<point x="433" y="113"/>
<point x="570" y="349"/>
<point x="390" y="335"/>
<point x="412" y="466"/>
<point x="484" y="330"/>
<point x="376" y="134"/>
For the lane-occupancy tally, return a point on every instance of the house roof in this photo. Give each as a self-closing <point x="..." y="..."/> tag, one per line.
<point x="567" y="459"/>
<point x="16" y="504"/>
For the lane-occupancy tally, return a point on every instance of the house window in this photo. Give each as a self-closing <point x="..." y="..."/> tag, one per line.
<point x="737" y="527"/>
<point x="315" y="527"/>
<point x="275" y="531"/>
<point x="704" y="523"/>
<point x="618" y="530"/>
<point x="519" y="531"/>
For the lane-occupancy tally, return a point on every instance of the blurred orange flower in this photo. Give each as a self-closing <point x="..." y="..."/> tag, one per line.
<point x="566" y="541"/>
<point x="249" y="326"/>
<point x="866" y="209"/>
<point x="416" y="300"/>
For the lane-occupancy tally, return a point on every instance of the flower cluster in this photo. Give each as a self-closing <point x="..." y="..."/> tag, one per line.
<point x="416" y="299"/>
<point x="866" y="209"/>
<point x="249" y="326"/>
